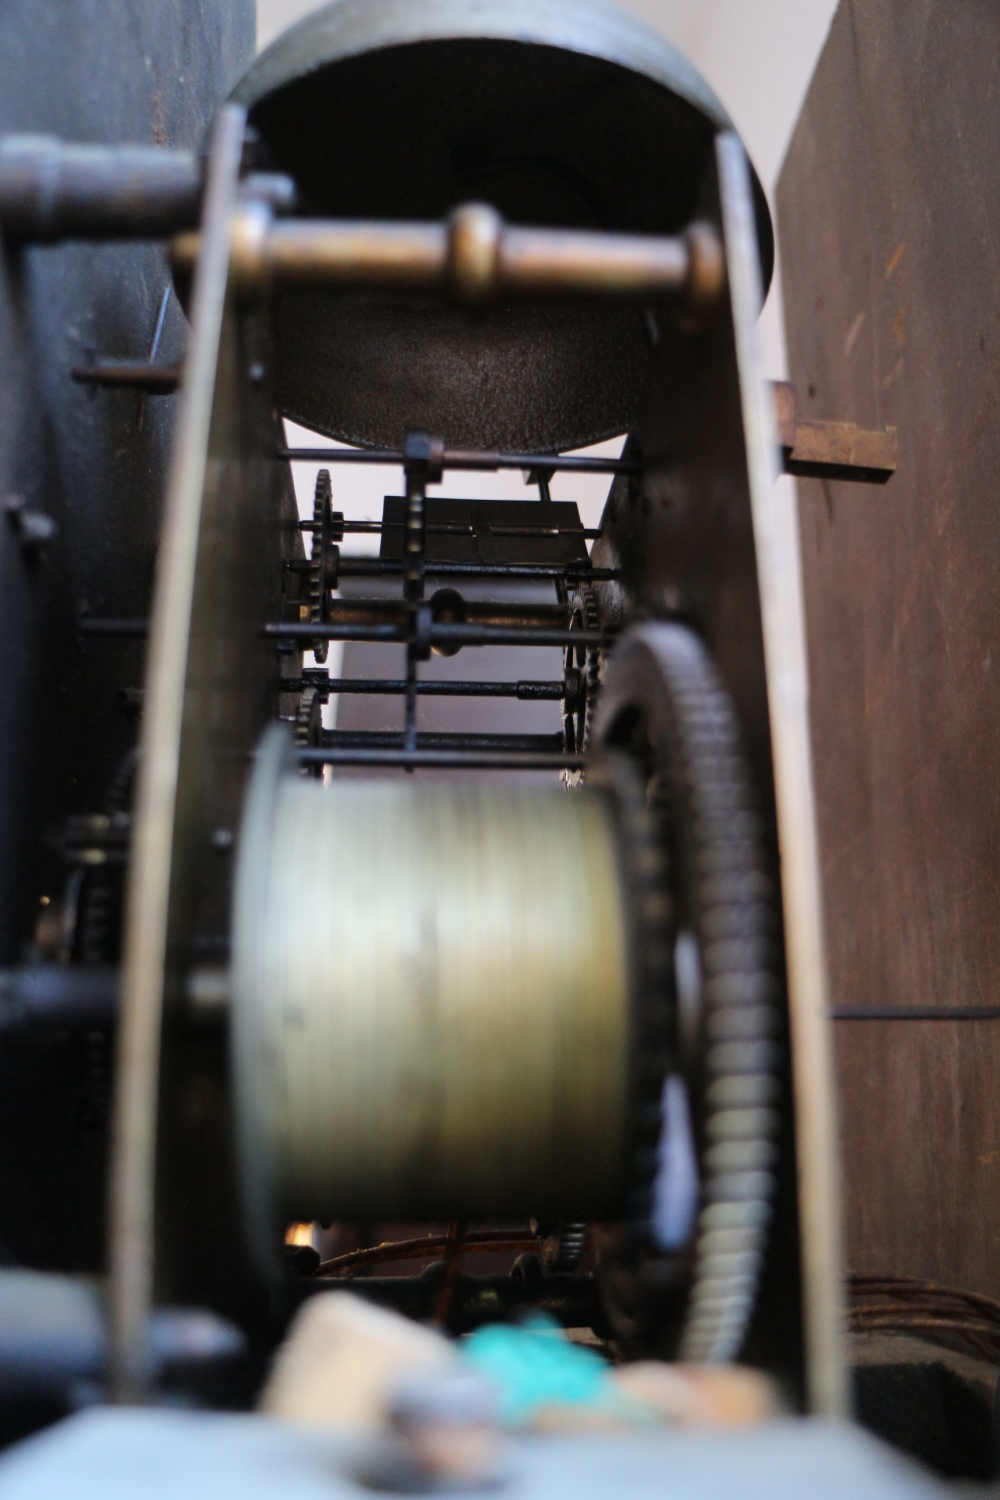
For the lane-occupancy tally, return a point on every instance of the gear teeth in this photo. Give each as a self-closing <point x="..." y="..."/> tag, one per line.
<point x="586" y="616"/>
<point x="741" y="993"/>
<point x="572" y="1241"/>
<point x="321" y="538"/>
<point x="309" y="726"/>
<point x="702" y="795"/>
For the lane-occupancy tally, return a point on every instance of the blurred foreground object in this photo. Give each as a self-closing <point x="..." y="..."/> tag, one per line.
<point x="352" y="1367"/>
<point x="342" y="1358"/>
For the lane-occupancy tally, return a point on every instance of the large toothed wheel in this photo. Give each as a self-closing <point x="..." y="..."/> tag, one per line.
<point x="663" y="702"/>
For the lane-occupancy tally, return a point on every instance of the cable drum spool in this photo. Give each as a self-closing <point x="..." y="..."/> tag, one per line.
<point x="432" y="1001"/>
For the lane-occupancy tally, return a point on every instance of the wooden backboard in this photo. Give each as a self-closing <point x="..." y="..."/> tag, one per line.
<point x="889" y="227"/>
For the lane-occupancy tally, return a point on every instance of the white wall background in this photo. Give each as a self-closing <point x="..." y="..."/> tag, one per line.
<point x="758" y="56"/>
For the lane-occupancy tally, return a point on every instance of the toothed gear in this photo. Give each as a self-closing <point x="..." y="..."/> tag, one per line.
<point x="589" y="662"/>
<point x="322" y="535"/>
<point x="309" y="725"/>
<point x="572" y="1243"/>
<point x="663" y="702"/>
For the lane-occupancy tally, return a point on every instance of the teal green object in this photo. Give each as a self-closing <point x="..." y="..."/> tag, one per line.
<point x="534" y="1365"/>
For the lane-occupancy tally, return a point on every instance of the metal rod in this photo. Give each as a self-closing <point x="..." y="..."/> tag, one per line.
<point x="410" y="737"/>
<point x="474" y="256"/>
<point x="86" y="997"/>
<point x="439" y="528"/>
<point x="375" y="567"/>
<point x="506" y="614"/>
<point x="133" y="374"/>
<point x="58" y="996"/>
<point x="444" y="635"/>
<point x="442" y="760"/>
<point x="90" y="625"/>
<point x="391" y="739"/>
<point x="299" y="631"/>
<point x="457" y="528"/>
<point x="51" y="190"/>
<point x="526" y="691"/>
<point x="914" y="1013"/>
<point x="467" y="459"/>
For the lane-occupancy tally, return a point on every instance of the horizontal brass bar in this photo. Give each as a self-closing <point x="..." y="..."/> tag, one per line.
<point x="331" y="252"/>
<point x="473" y="255"/>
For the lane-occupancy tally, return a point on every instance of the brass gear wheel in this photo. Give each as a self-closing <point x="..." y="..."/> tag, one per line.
<point x="588" y="662"/>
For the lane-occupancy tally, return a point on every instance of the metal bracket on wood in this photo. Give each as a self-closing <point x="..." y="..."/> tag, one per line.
<point x="830" y="450"/>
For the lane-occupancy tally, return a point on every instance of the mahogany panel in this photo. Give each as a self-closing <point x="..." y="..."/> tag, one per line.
<point x="889" y="226"/>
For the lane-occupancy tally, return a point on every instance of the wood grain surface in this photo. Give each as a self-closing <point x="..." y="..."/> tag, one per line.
<point x="889" y="225"/>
